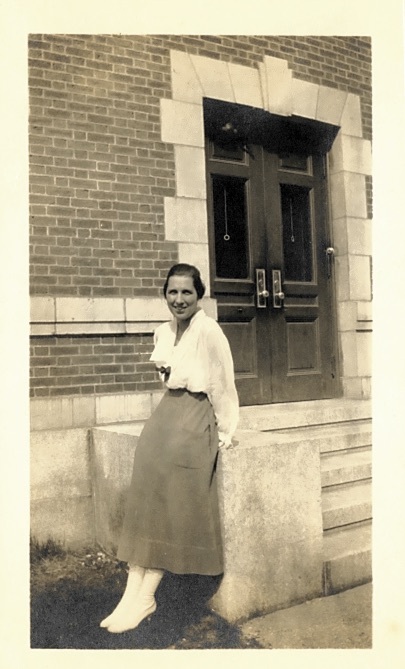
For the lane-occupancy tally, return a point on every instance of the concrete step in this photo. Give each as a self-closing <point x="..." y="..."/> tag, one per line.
<point x="340" y="436"/>
<point x="344" y="436"/>
<point x="329" y="438"/>
<point x="347" y="557"/>
<point x="345" y="466"/>
<point x="346" y="503"/>
<point x="297" y="414"/>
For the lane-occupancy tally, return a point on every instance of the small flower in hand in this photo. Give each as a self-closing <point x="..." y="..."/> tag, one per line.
<point x="165" y="372"/>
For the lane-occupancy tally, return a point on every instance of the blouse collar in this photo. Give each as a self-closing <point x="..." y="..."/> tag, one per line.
<point x="164" y="348"/>
<point x="195" y="317"/>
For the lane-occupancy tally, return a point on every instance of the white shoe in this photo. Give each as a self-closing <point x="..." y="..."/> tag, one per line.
<point x="132" y="613"/>
<point x="134" y="582"/>
<point x="129" y="620"/>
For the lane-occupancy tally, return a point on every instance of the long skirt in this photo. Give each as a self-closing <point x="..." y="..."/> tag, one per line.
<point x="172" y="517"/>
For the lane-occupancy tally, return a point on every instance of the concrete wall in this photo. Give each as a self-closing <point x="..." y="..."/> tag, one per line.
<point x="113" y="450"/>
<point x="270" y="496"/>
<point x="270" y="501"/>
<point x="61" y="489"/>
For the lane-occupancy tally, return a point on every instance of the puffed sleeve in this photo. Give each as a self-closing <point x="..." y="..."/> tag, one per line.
<point x="221" y="389"/>
<point x="163" y="340"/>
<point x="157" y="356"/>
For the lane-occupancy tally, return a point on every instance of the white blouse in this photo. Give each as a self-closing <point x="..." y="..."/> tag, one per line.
<point x="201" y="362"/>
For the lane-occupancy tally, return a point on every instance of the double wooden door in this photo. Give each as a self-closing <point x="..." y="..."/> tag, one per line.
<point x="272" y="265"/>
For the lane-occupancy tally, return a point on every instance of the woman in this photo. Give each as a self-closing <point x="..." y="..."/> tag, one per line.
<point x="172" y="518"/>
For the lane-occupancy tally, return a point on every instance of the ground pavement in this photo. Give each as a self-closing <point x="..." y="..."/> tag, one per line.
<point x="339" y="621"/>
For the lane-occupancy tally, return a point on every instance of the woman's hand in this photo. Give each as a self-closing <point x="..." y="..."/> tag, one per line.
<point x="225" y="446"/>
<point x="164" y="372"/>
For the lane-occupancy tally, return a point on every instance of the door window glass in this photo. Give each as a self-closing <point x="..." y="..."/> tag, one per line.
<point x="295" y="162"/>
<point x="230" y="151"/>
<point x="230" y="225"/>
<point x="297" y="232"/>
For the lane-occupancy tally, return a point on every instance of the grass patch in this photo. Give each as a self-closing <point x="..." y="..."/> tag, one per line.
<point x="71" y="592"/>
<point x="52" y="564"/>
<point x="44" y="550"/>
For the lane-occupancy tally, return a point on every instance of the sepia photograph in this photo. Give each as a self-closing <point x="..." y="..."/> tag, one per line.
<point x="201" y="286"/>
<point x="203" y="379"/>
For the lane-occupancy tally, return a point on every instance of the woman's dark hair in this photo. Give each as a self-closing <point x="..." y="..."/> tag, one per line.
<point x="182" y="269"/>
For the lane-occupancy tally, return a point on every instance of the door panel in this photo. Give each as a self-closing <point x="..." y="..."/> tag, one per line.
<point x="233" y="276"/>
<point x="269" y="211"/>
<point x="298" y="236"/>
<point x="302" y="346"/>
<point x="242" y="337"/>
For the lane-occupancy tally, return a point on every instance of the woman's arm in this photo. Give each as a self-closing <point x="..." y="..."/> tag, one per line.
<point x="221" y="384"/>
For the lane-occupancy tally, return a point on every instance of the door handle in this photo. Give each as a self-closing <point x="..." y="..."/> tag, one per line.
<point x="278" y="295"/>
<point x="261" y="289"/>
<point x="330" y="254"/>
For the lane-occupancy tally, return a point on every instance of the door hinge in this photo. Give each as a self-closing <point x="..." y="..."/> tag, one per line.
<point x="333" y="366"/>
<point x="324" y="166"/>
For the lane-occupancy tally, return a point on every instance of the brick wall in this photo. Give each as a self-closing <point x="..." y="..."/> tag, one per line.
<point x="91" y="365"/>
<point x="99" y="171"/>
<point x="99" y="174"/>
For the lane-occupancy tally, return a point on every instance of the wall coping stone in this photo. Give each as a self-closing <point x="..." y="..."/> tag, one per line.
<point x="99" y="315"/>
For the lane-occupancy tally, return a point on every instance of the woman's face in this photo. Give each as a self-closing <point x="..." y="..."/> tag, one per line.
<point x="181" y="297"/>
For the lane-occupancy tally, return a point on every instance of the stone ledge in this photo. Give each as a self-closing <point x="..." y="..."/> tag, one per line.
<point x="53" y="413"/>
<point x="52" y="316"/>
<point x="284" y="483"/>
<point x="89" y="310"/>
